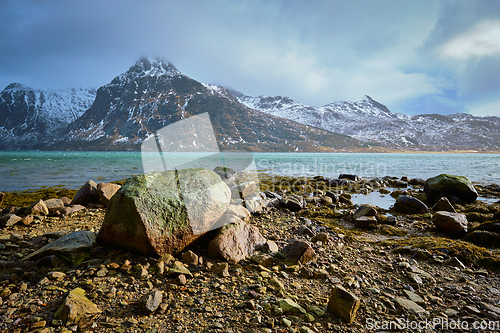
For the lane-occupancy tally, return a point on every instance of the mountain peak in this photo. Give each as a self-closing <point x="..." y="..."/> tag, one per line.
<point x="16" y="86"/>
<point x="149" y="67"/>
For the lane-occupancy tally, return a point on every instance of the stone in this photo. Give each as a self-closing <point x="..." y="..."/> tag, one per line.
<point x="364" y="210"/>
<point x="9" y="220"/>
<point x="106" y="192"/>
<point x="150" y="302"/>
<point x="54" y="205"/>
<point x="444" y="205"/>
<point x="365" y="221"/>
<point x="450" y="185"/>
<point x="163" y="212"/>
<point x="2" y="195"/>
<point x="455" y="262"/>
<point x="86" y="194"/>
<point x="453" y="224"/>
<point x="293" y="202"/>
<point x="221" y="269"/>
<point x="484" y="238"/>
<point x="38" y="208"/>
<point x="247" y="189"/>
<point x="72" y="247"/>
<point x="58" y="276"/>
<point x="414" y="297"/>
<point x="410" y="306"/>
<point x="349" y="177"/>
<point x="254" y="206"/>
<point x="235" y="242"/>
<point x="321" y="237"/>
<point x="238" y="211"/>
<point x="66" y="201"/>
<point x="27" y="220"/>
<point x="343" y="304"/>
<point x="406" y="204"/>
<point x="190" y="257"/>
<point x="298" y="251"/>
<point x="77" y="208"/>
<point x="226" y="174"/>
<point x="77" y="309"/>
<point x="276" y="283"/>
<point x="270" y="246"/>
<point x="288" y="305"/>
<point x="333" y="196"/>
<point x="304" y="230"/>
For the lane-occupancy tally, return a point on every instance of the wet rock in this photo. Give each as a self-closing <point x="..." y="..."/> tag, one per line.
<point x="9" y="220"/>
<point x="349" y="177"/>
<point x="453" y="224"/>
<point x="163" y="212"/>
<point x="38" y="208"/>
<point x="150" y="302"/>
<point x="406" y="204"/>
<point x="489" y="226"/>
<point x="77" y="309"/>
<point x="298" y="251"/>
<point x="54" y="205"/>
<point x="86" y="194"/>
<point x="483" y="238"/>
<point x="364" y="210"/>
<point x="72" y="247"/>
<point x="444" y="205"/>
<point x="333" y="196"/>
<point x="450" y="185"/>
<point x="343" y="304"/>
<point x="235" y="242"/>
<point x="365" y="221"/>
<point x="106" y="192"/>
<point x="416" y="181"/>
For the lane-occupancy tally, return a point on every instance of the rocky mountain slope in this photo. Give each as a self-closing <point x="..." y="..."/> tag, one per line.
<point x="372" y="122"/>
<point x="153" y="94"/>
<point x="33" y="117"/>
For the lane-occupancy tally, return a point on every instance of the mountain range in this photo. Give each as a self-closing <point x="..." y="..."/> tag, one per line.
<point x="153" y="94"/>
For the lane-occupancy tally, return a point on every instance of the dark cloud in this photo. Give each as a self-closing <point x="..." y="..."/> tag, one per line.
<point x="316" y="52"/>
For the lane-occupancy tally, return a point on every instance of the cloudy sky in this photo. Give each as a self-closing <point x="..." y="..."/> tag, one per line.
<point x="425" y="56"/>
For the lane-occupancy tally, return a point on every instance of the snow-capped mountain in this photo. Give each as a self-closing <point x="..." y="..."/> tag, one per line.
<point x="372" y="122"/>
<point x="29" y="117"/>
<point x="153" y="94"/>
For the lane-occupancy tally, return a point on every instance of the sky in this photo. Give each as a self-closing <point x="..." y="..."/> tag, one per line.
<point x="426" y="56"/>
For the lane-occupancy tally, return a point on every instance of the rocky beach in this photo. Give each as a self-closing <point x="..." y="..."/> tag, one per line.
<point x="292" y="255"/>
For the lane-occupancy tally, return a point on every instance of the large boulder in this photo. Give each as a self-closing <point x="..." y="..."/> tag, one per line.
<point x="450" y="185"/>
<point x="235" y="242"/>
<point x="163" y="212"/>
<point x="453" y="224"/>
<point x="86" y="194"/>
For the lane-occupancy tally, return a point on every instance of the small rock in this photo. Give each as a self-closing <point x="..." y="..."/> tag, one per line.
<point x="288" y="305"/>
<point x="58" y="276"/>
<point x="86" y="194"/>
<point x="190" y="257"/>
<point x="180" y="280"/>
<point x="9" y="220"/>
<point x="443" y="204"/>
<point x="221" y="269"/>
<point x="38" y="208"/>
<point x="343" y="304"/>
<point x="150" y="302"/>
<point x="410" y="306"/>
<point x="365" y="221"/>
<point x="54" y="205"/>
<point x="321" y="237"/>
<point x="298" y="251"/>
<point x="77" y="309"/>
<point x="364" y="210"/>
<point x="414" y="297"/>
<point x="27" y="220"/>
<point x="453" y="224"/>
<point x="406" y="204"/>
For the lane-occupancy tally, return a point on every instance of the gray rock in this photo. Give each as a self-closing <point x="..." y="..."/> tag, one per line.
<point x="453" y="224"/>
<point x="72" y="247"/>
<point x="150" y="302"/>
<point x="450" y="185"/>
<point x="163" y="212"/>
<point x="410" y="306"/>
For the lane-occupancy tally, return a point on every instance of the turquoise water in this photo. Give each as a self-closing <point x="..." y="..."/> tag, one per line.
<point x="22" y="170"/>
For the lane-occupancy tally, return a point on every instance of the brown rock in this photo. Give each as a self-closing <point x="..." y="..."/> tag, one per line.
<point x="77" y="309"/>
<point x="443" y="204"/>
<point x="54" y="205"/>
<point x="27" y="220"/>
<point x="343" y="304"/>
<point x="298" y="251"/>
<point x="453" y="224"/>
<point x="38" y="208"/>
<point x="221" y="269"/>
<point x="66" y="201"/>
<point x="106" y="192"/>
<point x="190" y="257"/>
<point x="365" y="221"/>
<point x="77" y="208"/>
<point x="364" y="210"/>
<point x="86" y="194"/>
<point x="235" y="242"/>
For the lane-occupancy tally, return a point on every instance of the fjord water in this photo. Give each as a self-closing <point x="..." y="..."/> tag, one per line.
<point x="21" y="170"/>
